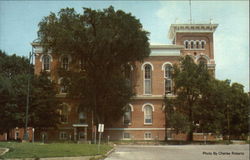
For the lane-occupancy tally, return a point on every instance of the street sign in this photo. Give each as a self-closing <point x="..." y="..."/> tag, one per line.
<point x="100" y="127"/>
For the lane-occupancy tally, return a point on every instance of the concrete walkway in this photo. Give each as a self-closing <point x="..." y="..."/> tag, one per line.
<point x="3" y="151"/>
<point x="55" y="158"/>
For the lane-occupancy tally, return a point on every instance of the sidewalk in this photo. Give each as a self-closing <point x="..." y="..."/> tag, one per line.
<point x="55" y="158"/>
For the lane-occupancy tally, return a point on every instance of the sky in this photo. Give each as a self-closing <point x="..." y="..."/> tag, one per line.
<point x="19" y="25"/>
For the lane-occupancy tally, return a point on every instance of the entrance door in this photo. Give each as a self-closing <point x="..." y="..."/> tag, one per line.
<point x="81" y="136"/>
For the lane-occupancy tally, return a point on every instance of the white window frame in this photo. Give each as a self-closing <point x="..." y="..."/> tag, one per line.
<point x="203" y="41"/>
<point x="168" y="79"/>
<point x="188" y="44"/>
<point x="123" y="136"/>
<point x="192" y="41"/>
<point x="61" y="61"/>
<point x="145" y="136"/>
<point x="144" y="110"/>
<point x="66" y="115"/>
<point x="195" y="44"/>
<point x="62" y="87"/>
<point x="63" y="135"/>
<point x="42" y="60"/>
<point x="151" y="78"/>
<point x="17" y="136"/>
<point x="131" y="110"/>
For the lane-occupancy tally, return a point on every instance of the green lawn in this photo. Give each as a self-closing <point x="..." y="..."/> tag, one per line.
<point x="39" y="150"/>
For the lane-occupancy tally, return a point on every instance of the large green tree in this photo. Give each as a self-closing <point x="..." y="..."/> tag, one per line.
<point x="224" y="109"/>
<point x="107" y="42"/>
<point x="190" y="80"/>
<point x="13" y="95"/>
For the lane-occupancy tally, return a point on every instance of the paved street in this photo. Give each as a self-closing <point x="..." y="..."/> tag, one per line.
<point x="180" y="152"/>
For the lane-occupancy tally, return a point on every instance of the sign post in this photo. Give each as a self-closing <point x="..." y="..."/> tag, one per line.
<point x="100" y="130"/>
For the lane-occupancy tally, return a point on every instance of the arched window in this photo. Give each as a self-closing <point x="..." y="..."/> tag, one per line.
<point x="186" y="44"/>
<point x="82" y="117"/>
<point x="127" y="115"/>
<point x="202" y="44"/>
<point x="147" y="79"/>
<point x="46" y="62"/>
<point x="63" y="82"/>
<point x="128" y="74"/>
<point x="64" y="113"/>
<point x="197" y="45"/>
<point x="192" y="44"/>
<point x="148" y="114"/>
<point x="168" y="79"/>
<point x="202" y="60"/>
<point x="82" y="65"/>
<point x="65" y="62"/>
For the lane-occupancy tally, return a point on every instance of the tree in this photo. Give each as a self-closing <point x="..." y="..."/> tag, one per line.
<point x="174" y="118"/>
<point x="239" y="111"/>
<point x="214" y="107"/>
<point x="190" y="80"/>
<point x="106" y="42"/>
<point x="224" y="109"/>
<point x="13" y="94"/>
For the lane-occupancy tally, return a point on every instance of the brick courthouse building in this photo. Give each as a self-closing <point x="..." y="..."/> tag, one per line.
<point x="144" y="118"/>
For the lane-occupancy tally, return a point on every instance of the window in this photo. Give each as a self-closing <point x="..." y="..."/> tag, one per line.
<point x="197" y="45"/>
<point x="168" y="79"/>
<point x="63" y="135"/>
<point x="202" y="61"/>
<point x="16" y="135"/>
<point x="82" y="64"/>
<point x="82" y="117"/>
<point x="63" y="82"/>
<point x="46" y="62"/>
<point x="147" y="135"/>
<point x="126" y="136"/>
<point x="147" y="79"/>
<point x="186" y="44"/>
<point x="148" y="114"/>
<point x="128" y="75"/>
<point x="64" y="113"/>
<point x="127" y="115"/>
<point x="192" y="45"/>
<point x="65" y="62"/>
<point x="202" y="44"/>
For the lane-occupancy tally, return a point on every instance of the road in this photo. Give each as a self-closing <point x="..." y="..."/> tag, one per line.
<point x="180" y="152"/>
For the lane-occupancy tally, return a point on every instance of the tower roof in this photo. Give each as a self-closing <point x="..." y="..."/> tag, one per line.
<point x="191" y="28"/>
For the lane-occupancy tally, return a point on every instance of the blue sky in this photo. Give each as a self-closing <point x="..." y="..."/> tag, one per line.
<point x="19" y="25"/>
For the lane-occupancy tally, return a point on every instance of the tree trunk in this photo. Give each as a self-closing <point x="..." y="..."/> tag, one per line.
<point x="190" y="133"/>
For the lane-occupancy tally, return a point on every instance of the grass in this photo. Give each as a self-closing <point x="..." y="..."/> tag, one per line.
<point x="39" y="150"/>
